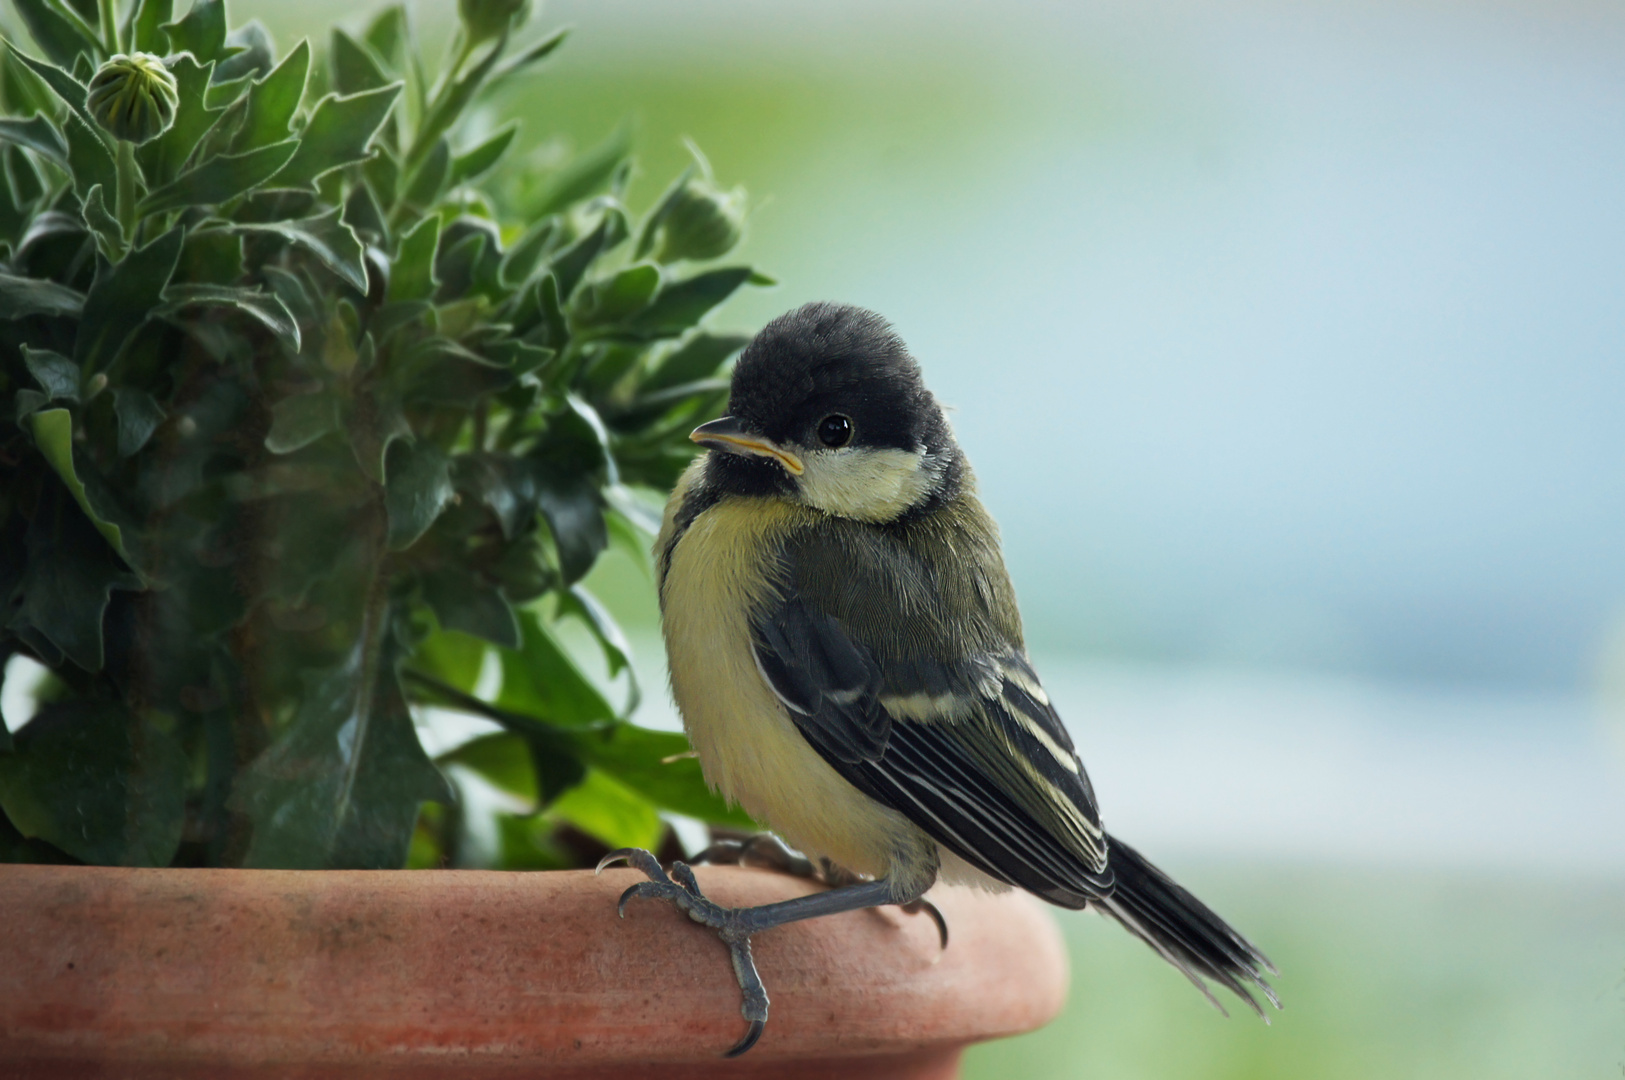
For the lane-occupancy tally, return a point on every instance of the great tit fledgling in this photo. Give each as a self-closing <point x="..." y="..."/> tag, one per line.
<point x="847" y="656"/>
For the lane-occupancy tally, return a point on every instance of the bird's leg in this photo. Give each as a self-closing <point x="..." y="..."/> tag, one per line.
<point x="767" y="850"/>
<point x="735" y="926"/>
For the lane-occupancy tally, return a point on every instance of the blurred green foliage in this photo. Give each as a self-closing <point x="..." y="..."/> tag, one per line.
<point x="307" y="425"/>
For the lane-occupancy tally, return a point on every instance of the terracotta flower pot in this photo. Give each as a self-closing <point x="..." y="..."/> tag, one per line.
<point x="225" y="973"/>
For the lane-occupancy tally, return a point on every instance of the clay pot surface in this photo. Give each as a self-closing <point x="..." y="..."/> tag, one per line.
<point x="224" y="973"/>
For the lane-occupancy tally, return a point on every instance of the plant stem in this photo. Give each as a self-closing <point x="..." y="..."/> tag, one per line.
<point x="110" y="27"/>
<point x="128" y="171"/>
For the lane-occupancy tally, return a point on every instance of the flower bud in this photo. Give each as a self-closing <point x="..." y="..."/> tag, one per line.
<point x="701" y="222"/>
<point x="133" y="97"/>
<point x="486" y="19"/>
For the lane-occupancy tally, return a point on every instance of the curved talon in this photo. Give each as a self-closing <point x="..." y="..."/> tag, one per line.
<point x="641" y="889"/>
<point x="922" y="904"/>
<point x="755" y="1032"/>
<point x="636" y="858"/>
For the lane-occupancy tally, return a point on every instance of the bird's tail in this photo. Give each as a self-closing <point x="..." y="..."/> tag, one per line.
<point x="1184" y="930"/>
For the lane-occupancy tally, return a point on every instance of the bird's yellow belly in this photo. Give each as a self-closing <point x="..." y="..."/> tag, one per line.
<point x="748" y="746"/>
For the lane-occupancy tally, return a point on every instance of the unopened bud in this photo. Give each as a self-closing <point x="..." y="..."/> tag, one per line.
<point x="133" y="97"/>
<point x="486" y="19"/>
<point x="701" y="222"/>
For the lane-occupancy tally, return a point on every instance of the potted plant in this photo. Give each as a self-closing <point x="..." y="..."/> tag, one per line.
<point x="308" y="422"/>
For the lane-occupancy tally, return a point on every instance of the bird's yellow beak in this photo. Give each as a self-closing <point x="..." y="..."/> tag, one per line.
<point x="730" y="435"/>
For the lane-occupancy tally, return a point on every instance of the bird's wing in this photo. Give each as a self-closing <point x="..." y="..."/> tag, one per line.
<point x="958" y="736"/>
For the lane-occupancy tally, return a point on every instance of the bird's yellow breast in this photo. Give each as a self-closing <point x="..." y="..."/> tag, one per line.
<point x="717" y="577"/>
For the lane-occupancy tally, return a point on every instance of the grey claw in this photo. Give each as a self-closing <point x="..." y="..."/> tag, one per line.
<point x="755" y="1032"/>
<point x="922" y="904"/>
<point x="637" y="859"/>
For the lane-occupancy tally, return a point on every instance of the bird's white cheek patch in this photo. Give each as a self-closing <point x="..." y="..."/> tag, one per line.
<point x="869" y="485"/>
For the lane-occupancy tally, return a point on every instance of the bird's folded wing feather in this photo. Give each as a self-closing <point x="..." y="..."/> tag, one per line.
<point x="952" y="730"/>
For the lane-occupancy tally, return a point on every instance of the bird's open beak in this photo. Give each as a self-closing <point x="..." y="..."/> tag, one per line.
<point x="730" y="435"/>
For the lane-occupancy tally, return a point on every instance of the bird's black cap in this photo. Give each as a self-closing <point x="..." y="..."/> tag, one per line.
<point x="825" y="358"/>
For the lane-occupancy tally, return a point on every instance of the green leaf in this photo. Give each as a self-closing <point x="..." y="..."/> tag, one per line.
<point x="202" y="32"/>
<point x="39" y="135"/>
<point x="221" y="178"/>
<point x="338" y="132"/>
<point x="412" y="277"/>
<point x="583" y="605"/>
<point x="265" y="308"/>
<point x="503" y="759"/>
<point x="163" y="158"/>
<point x="121" y="297"/>
<point x="354" y="67"/>
<point x="88" y="158"/>
<point x="254" y="53"/>
<point x="331" y="241"/>
<point x="53" y="434"/>
<point x="610" y="812"/>
<point x="389" y="35"/>
<point x="146" y="27"/>
<point x="138" y="417"/>
<point x="452" y="657"/>
<point x="535" y="54"/>
<point x="540" y="680"/>
<point x="684" y="303"/>
<point x="617" y="298"/>
<point x="568" y="463"/>
<point x="69" y="575"/>
<point x="95" y="780"/>
<point x="375" y="422"/>
<point x="23" y="296"/>
<point x="697" y="358"/>
<point x="63" y="85"/>
<point x="57" y="375"/>
<point x="341" y="788"/>
<point x="522" y="257"/>
<point x="298" y="421"/>
<point x="430" y="178"/>
<point x="476" y="162"/>
<point x="60" y="37"/>
<point x="462" y="601"/>
<point x="570" y="264"/>
<point x="417" y="486"/>
<point x="101" y="222"/>
<point x="211" y="257"/>
<point x="273" y="100"/>
<point x="661" y="767"/>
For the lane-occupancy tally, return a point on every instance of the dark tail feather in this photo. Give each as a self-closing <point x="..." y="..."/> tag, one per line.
<point x="1184" y="930"/>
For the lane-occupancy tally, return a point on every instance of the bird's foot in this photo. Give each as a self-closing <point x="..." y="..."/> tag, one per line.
<point x="681" y="889"/>
<point x="768" y="851"/>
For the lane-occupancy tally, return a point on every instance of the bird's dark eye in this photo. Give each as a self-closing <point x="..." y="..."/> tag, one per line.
<point x="835" y="430"/>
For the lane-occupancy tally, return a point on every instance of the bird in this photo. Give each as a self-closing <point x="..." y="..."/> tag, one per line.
<point x="846" y="653"/>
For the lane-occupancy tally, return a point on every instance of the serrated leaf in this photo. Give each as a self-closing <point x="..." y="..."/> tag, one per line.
<point x="265" y="308"/>
<point x="273" y="100"/>
<point x="342" y="786"/>
<point x="24" y="296"/>
<point x="354" y="67"/>
<point x="412" y="277"/>
<point x="684" y="303"/>
<point x="57" y="375"/>
<point x="339" y="132"/>
<point x="71" y="571"/>
<point x="121" y="297"/>
<point x="567" y="464"/>
<point x="417" y="486"/>
<point x="257" y="55"/>
<point x="202" y="32"/>
<point x="298" y="421"/>
<point x="97" y="781"/>
<point x="138" y="417"/>
<point x="479" y="160"/>
<point x="327" y="238"/>
<point x="88" y="157"/>
<point x="61" y="38"/>
<point x="146" y="26"/>
<point x="616" y="298"/>
<point x="69" y="89"/>
<point x="462" y="601"/>
<point x="221" y="178"/>
<point x="101" y="222"/>
<point x="39" y="135"/>
<point x="163" y="158"/>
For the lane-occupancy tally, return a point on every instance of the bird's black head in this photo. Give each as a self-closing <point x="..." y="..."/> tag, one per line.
<point x="828" y="408"/>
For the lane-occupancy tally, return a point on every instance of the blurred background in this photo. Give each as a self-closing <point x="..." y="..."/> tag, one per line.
<point x="1287" y="342"/>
